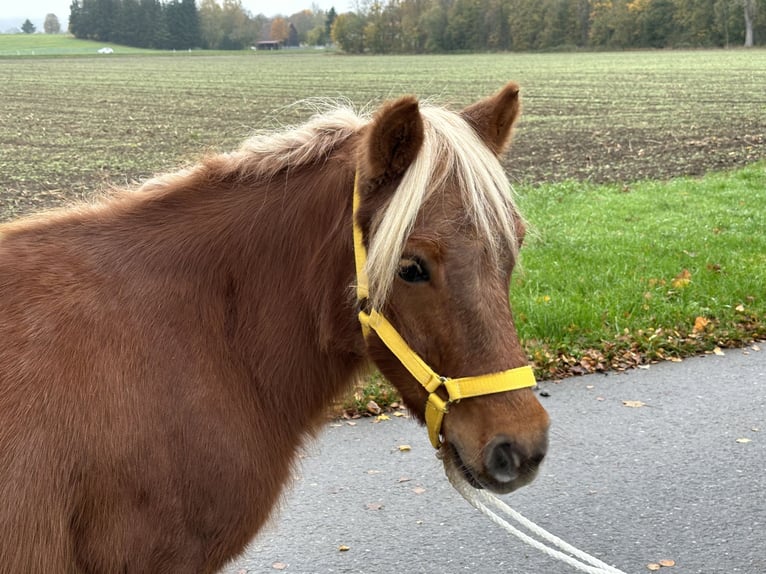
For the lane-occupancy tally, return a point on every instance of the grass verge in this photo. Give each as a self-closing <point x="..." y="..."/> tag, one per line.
<point x="616" y="276"/>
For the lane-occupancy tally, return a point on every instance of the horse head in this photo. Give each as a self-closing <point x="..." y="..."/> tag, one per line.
<point x="436" y="216"/>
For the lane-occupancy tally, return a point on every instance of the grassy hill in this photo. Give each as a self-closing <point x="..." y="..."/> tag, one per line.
<point x="55" y="45"/>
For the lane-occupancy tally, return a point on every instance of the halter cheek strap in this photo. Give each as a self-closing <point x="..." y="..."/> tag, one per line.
<point x="457" y="389"/>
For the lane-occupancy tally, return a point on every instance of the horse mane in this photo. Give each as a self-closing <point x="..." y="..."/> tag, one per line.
<point x="452" y="151"/>
<point x="266" y="154"/>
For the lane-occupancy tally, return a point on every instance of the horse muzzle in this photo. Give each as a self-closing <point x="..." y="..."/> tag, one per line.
<point x="502" y="466"/>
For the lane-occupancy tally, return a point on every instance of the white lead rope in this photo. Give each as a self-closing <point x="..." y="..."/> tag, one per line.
<point x="481" y="500"/>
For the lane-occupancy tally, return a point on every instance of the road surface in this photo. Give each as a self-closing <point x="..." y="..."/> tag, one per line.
<point x="681" y="478"/>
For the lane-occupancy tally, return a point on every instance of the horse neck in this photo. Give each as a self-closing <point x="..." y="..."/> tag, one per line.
<point x="291" y="276"/>
<point x="276" y="259"/>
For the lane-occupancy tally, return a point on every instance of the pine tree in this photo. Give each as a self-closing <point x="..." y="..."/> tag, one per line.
<point x="27" y="27"/>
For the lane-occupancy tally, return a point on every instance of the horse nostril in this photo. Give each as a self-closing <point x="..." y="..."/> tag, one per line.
<point x="502" y="461"/>
<point x="505" y="462"/>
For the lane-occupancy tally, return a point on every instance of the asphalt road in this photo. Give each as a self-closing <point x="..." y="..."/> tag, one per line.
<point x="630" y="485"/>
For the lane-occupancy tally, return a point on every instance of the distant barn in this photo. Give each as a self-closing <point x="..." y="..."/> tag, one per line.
<point x="268" y="45"/>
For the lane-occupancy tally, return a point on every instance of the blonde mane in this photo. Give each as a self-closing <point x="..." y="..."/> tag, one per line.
<point x="451" y="150"/>
<point x="271" y="153"/>
<point x="267" y="154"/>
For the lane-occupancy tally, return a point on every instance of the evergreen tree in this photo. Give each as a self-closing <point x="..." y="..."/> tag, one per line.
<point x="76" y="19"/>
<point x="329" y="21"/>
<point x="27" y="27"/>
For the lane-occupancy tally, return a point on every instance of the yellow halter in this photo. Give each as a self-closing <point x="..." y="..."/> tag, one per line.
<point x="457" y="389"/>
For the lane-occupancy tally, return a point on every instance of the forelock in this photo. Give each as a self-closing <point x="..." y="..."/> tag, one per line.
<point x="451" y="149"/>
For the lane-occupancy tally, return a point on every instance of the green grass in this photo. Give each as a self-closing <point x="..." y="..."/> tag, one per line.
<point x="606" y="267"/>
<point x="14" y="45"/>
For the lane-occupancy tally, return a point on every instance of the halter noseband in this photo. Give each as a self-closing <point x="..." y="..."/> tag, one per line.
<point x="457" y="389"/>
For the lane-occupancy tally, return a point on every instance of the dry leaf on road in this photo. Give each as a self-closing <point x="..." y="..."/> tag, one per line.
<point x="634" y="404"/>
<point x="373" y="408"/>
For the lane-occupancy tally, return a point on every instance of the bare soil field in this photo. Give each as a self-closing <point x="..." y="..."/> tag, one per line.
<point x="70" y="127"/>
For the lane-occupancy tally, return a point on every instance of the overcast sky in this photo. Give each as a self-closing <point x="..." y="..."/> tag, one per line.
<point x="37" y="9"/>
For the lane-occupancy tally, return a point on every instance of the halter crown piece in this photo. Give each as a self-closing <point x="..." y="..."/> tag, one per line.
<point x="457" y="389"/>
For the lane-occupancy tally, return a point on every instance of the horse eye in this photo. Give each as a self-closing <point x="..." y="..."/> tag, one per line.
<point x="412" y="270"/>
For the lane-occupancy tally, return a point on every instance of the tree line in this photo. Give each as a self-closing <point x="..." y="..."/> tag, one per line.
<point x="404" y="26"/>
<point x="429" y="26"/>
<point x="140" y="23"/>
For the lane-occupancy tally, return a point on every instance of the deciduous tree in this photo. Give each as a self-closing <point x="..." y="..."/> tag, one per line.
<point x="279" y="29"/>
<point x="348" y="32"/>
<point x="750" y="7"/>
<point x="51" y="24"/>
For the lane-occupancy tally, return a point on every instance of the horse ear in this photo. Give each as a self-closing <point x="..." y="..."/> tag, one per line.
<point x="394" y="139"/>
<point x="493" y="117"/>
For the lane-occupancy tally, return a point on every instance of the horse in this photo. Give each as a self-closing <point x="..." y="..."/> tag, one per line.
<point x="167" y="349"/>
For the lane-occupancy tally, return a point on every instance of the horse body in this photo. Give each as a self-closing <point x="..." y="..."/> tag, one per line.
<point x="165" y="352"/>
<point x="164" y="359"/>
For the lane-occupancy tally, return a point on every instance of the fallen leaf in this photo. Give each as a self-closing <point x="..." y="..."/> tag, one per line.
<point x="373" y="408"/>
<point x="653" y="566"/>
<point x="405" y="448"/>
<point x="382" y="418"/>
<point x="404" y="479"/>
<point x="279" y="566"/>
<point x="744" y="440"/>
<point x="344" y="548"/>
<point x="418" y="490"/>
<point x="667" y="563"/>
<point x="374" y="506"/>
<point x="699" y="324"/>
<point x="676" y="360"/>
<point x="755" y="347"/>
<point x="718" y="351"/>
<point x="740" y="308"/>
<point x="351" y="423"/>
<point x="634" y="404"/>
<point x="399" y="414"/>
<point x="682" y="279"/>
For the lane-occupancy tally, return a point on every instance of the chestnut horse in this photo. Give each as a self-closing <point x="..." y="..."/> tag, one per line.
<point x="165" y="351"/>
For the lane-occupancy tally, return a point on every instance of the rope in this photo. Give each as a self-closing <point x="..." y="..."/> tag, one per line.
<point x="482" y="500"/>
